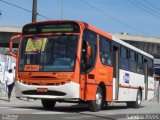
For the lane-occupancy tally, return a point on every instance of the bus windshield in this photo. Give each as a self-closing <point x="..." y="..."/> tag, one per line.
<point x="48" y="53"/>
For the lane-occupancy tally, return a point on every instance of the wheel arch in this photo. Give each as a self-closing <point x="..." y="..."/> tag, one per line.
<point x="140" y="89"/>
<point x="103" y="87"/>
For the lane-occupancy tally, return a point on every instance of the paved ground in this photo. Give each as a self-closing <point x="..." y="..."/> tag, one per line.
<point x="21" y="109"/>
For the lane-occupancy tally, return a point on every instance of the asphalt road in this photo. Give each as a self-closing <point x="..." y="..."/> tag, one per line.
<point x="32" y="110"/>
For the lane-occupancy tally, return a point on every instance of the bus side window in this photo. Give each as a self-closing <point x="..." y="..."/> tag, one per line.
<point x="105" y="51"/>
<point x="140" y="67"/>
<point x="124" y="62"/>
<point x="150" y="68"/>
<point x="90" y="38"/>
<point x="83" y="57"/>
<point x="132" y="61"/>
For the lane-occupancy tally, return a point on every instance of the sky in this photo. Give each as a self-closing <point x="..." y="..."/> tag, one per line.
<point x="135" y="17"/>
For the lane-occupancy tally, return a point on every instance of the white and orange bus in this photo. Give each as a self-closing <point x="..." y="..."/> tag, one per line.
<point x="73" y="61"/>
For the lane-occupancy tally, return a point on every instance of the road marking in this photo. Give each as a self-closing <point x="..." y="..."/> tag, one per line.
<point x="19" y="109"/>
<point x="99" y="113"/>
<point x="107" y="113"/>
<point x="53" y="112"/>
<point x="5" y="107"/>
<point x="78" y="117"/>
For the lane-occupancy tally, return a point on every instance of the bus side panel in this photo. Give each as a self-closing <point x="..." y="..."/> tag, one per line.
<point x="89" y="86"/>
<point x="125" y="82"/>
<point x="87" y="89"/>
<point x="108" y="80"/>
<point x="109" y="92"/>
<point x="91" y="91"/>
<point x="129" y="84"/>
<point x="150" y="88"/>
<point x="110" y="84"/>
<point x="82" y="87"/>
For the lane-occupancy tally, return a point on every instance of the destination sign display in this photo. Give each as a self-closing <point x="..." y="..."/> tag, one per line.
<point x="70" y="27"/>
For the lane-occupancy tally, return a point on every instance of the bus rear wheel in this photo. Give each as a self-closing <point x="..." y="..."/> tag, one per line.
<point x="48" y="104"/>
<point x="96" y="105"/>
<point x="137" y="103"/>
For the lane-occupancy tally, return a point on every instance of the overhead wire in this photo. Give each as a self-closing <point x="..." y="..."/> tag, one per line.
<point x="144" y="8"/>
<point x="113" y="18"/>
<point x="155" y="7"/>
<point x="98" y="10"/>
<point x="23" y="8"/>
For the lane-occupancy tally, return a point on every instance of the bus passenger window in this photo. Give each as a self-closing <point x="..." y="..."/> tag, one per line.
<point x="150" y="67"/>
<point x="105" y="51"/>
<point x="140" y="67"/>
<point x="132" y="61"/>
<point x="124" y="63"/>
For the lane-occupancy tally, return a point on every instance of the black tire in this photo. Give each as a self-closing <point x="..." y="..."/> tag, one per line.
<point x="96" y="105"/>
<point x="48" y="104"/>
<point x="137" y="103"/>
<point x="129" y="104"/>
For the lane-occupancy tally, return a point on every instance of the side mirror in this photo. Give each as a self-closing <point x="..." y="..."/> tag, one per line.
<point x="14" y="38"/>
<point x="89" y="51"/>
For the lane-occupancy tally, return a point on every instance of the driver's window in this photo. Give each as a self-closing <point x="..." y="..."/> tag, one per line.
<point x="90" y="37"/>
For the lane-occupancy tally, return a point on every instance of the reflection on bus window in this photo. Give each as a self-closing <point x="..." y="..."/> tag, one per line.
<point x="52" y="53"/>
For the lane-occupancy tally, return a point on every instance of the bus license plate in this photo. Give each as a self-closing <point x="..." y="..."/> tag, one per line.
<point x="42" y="90"/>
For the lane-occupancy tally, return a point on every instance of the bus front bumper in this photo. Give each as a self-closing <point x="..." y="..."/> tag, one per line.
<point x="67" y="91"/>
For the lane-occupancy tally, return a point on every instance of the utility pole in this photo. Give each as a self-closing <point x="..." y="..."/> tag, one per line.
<point x="34" y="11"/>
<point x="61" y="9"/>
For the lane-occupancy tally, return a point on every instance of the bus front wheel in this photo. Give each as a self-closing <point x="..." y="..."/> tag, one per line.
<point x="48" y="104"/>
<point x="96" y="105"/>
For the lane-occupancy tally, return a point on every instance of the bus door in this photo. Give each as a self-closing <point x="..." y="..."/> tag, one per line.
<point x="115" y="49"/>
<point x="88" y="60"/>
<point x="146" y="78"/>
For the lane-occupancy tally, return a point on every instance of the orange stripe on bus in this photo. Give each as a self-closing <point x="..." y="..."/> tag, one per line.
<point x="132" y="87"/>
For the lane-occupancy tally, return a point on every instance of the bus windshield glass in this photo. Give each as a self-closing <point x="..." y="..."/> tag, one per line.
<point x="48" y="53"/>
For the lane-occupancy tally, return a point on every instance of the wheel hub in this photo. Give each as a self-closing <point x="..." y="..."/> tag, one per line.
<point x="139" y="99"/>
<point x="98" y="99"/>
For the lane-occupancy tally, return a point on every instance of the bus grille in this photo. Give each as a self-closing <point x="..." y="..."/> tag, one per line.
<point x="49" y="92"/>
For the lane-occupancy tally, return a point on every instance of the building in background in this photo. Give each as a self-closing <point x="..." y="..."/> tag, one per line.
<point x="6" y="61"/>
<point x="148" y="44"/>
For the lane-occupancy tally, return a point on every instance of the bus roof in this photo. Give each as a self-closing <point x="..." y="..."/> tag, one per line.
<point x="131" y="47"/>
<point x="86" y="25"/>
<point x="118" y="40"/>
